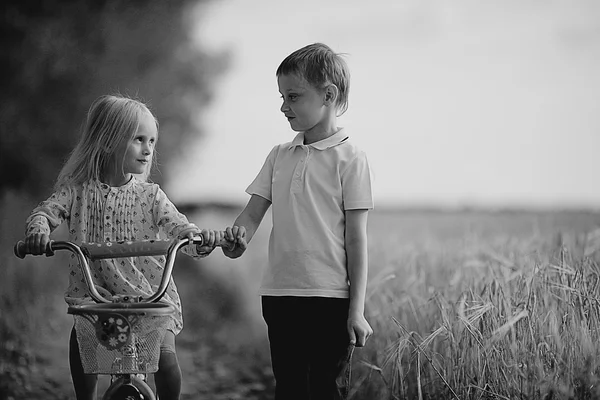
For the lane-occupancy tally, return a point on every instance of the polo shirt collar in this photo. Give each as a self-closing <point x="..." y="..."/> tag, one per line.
<point x="337" y="138"/>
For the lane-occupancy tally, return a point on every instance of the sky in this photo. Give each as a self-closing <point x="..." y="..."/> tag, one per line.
<point x="461" y="103"/>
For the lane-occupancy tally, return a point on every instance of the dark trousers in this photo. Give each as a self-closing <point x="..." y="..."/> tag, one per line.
<point x="309" y="341"/>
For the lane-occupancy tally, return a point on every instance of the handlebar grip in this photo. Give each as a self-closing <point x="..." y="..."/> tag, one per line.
<point x="99" y="251"/>
<point x="20" y="249"/>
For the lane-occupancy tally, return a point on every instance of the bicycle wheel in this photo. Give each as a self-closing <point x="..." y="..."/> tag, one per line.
<point x="129" y="388"/>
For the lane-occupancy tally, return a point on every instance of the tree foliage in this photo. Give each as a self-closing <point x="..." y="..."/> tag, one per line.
<point x="59" y="55"/>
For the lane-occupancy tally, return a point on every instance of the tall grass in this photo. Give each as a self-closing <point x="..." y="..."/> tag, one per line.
<point x="501" y="318"/>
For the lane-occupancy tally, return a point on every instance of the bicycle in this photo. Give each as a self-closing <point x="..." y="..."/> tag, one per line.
<point x="121" y="337"/>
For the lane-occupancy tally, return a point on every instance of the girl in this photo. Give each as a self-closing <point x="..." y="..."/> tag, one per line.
<point x="103" y="194"/>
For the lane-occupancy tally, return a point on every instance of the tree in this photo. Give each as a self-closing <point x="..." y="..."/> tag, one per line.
<point x="62" y="54"/>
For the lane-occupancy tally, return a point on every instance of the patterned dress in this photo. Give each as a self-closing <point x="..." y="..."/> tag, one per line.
<point x="96" y="212"/>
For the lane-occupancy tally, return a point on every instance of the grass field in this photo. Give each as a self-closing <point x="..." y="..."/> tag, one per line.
<point x="465" y="305"/>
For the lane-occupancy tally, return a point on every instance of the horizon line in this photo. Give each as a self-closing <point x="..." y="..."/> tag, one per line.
<point x="192" y="206"/>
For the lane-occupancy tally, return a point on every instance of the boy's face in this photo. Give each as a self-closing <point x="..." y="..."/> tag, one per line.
<point x="303" y="104"/>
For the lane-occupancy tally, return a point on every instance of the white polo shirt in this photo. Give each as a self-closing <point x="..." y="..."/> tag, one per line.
<point x="310" y="187"/>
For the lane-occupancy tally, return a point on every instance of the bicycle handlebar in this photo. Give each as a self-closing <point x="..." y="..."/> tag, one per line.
<point x="98" y="251"/>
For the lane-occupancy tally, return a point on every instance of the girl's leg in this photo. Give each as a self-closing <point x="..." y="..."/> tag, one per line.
<point x="328" y="345"/>
<point x="168" y="376"/>
<point x="287" y="330"/>
<point x="84" y="384"/>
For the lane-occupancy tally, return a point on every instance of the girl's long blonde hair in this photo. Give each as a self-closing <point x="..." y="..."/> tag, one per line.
<point x="112" y="121"/>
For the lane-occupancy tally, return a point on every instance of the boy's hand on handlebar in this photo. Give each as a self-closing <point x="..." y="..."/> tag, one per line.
<point x="37" y="243"/>
<point x="236" y="237"/>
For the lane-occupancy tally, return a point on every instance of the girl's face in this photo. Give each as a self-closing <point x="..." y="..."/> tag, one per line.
<point x="138" y="155"/>
<point x="138" y="151"/>
<point x="303" y="105"/>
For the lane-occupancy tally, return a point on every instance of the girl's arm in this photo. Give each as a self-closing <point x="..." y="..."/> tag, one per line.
<point x="45" y="218"/>
<point x="168" y="218"/>
<point x="245" y="226"/>
<point x="359" y="329"/>
<point x="176" y="225"/>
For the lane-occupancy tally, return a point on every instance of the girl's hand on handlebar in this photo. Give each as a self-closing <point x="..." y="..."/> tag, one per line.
<point x="236" y="237"/>
<point x="37" y="243"/>
<point x="211" y="239"/>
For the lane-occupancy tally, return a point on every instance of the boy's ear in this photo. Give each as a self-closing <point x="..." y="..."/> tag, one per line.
<point x="331" y="94"/>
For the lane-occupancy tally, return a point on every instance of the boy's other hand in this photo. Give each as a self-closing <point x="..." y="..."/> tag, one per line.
<point x="359" y="330"/>
<point x="236" y="237"/>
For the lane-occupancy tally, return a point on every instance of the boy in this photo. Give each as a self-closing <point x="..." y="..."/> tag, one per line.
<point x="313" y="291"/>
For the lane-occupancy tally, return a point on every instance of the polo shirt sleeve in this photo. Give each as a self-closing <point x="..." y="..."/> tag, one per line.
<point x="356" y="184"/>
<point x="262" y="184"/>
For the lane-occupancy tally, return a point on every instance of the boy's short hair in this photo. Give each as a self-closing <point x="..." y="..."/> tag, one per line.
<point x="320" y="66"/>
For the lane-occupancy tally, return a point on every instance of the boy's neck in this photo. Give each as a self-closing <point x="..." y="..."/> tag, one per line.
<point x="320" y="132"/>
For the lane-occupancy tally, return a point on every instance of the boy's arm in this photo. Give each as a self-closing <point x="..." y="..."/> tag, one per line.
<point x="359" y="329"/>
<point x="245" y="225"/>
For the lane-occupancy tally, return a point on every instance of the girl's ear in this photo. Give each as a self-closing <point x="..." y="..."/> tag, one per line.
<point x="331" y="95"/>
